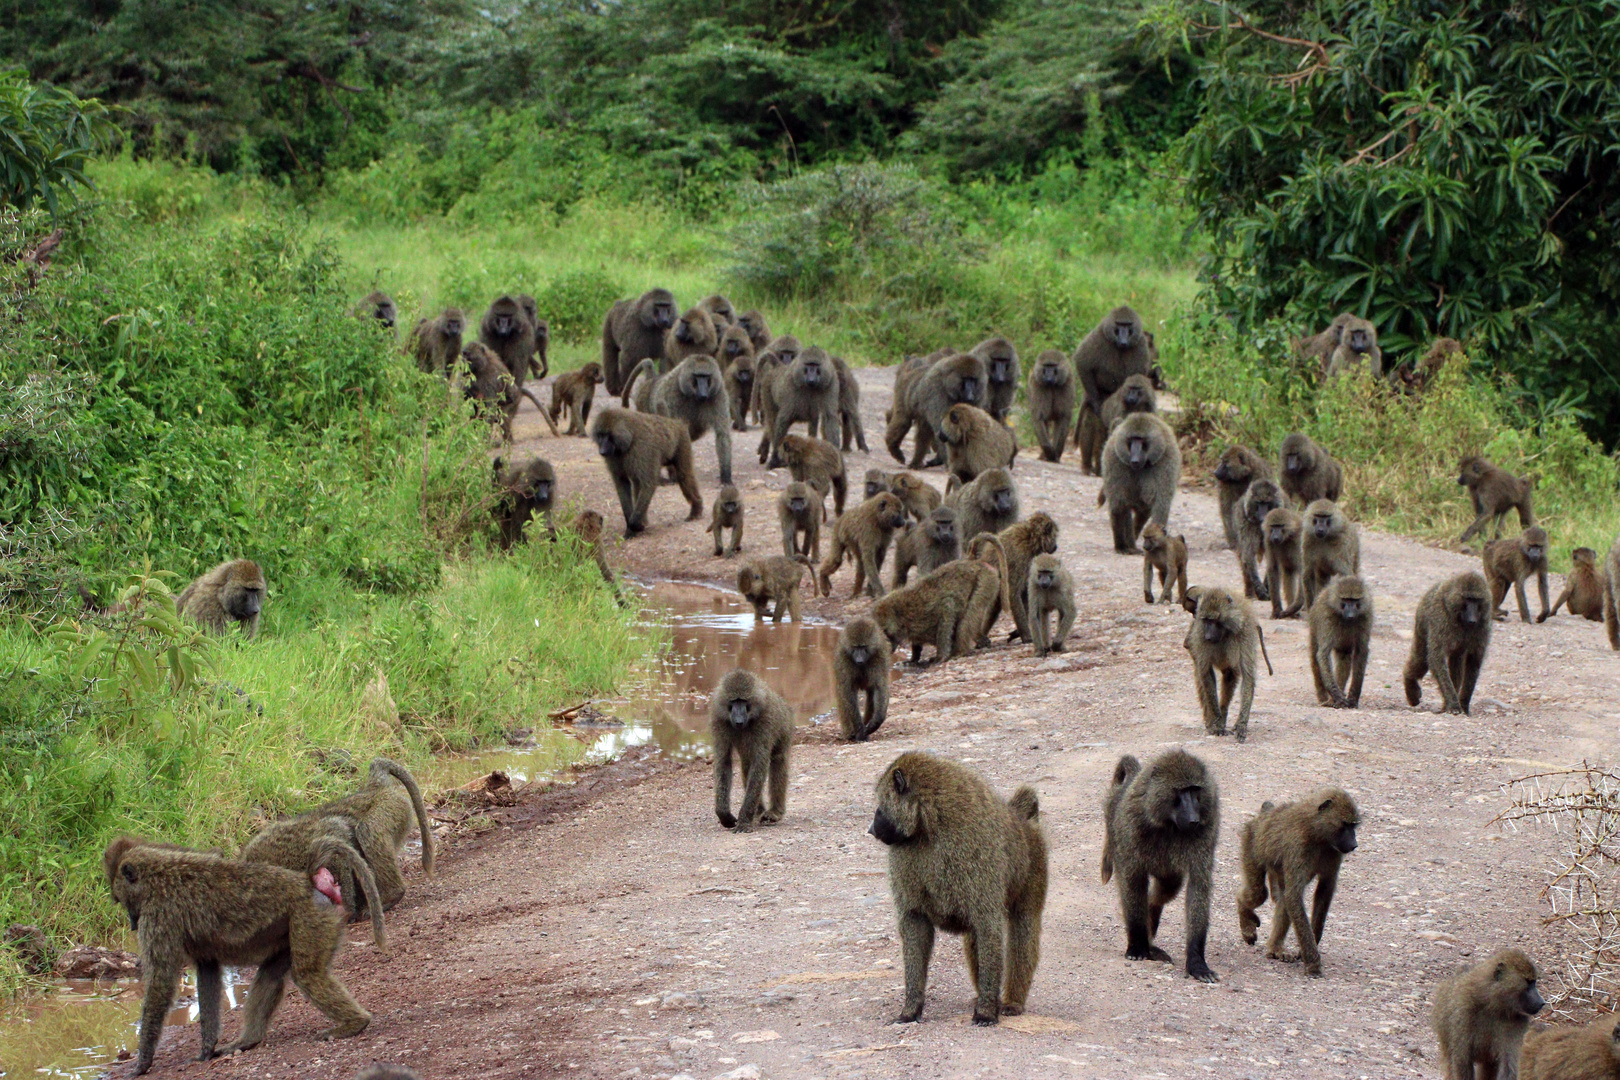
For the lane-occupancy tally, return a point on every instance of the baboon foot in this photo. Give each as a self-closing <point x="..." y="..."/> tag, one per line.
<point x="238" y="1047"/>
<point x="910" y="1014"/>
<point x="981" y="1020"/>
<point x="1132" y="550"/>
<point x="1314" y="970"/>
<point x="1202" y="973"/>
<point x="1241" y="734"/>
<point x="1056" y="646"/>
<point x="770" y="817"/>
<point x="727" y="820"/>
<point x="344" y="1031"/>
<point x="1153" y="953"/>
<point x="1012" y="1008"/>
<point x="1282" y="956"/>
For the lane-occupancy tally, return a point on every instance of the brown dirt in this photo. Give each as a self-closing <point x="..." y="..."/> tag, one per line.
<point x="614" y="929"/>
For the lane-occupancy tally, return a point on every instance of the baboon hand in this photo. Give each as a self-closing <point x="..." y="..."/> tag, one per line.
<point x="726" y="819"/>
<point x="1200" y="971"/>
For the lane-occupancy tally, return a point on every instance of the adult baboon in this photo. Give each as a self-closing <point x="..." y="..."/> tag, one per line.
<point x="633" y="331"/>
<point x="1494" y="492"/>
<point x="1611" y="595"/>
<point x="1584" y="587"/>
<point x="877" y="481"/>
<point x="1308" y="471"/>
<point x="1450" y="635"/>
<point x="927" y="545"/>
<point x="956" y="380"/>
<point x="1050" y="589"/>
<point x="507" y="332"/>
<point x="1258" y="502"/>
<point x="734" y="345"/>
<point x="1051" y="402"/>
<point x="576" y="392"/>
<point x="799" y="511"/>
<point x="952" y="608"/>
<point x="1590" y="1052"/>
<point x="1140" y="470"/>
<point x="539" y="364"/>
<point x="1022" y="541"/>
<point x="1340" y="639"/>
<point x="188" y="907"/>
<point x="806" y="391"/>
<point x="1509" y="562"/>
<point x="749" y="719"/>
<point x="728" y="514"/>
<point x="437" y="342"/>
<point x="963" y="861"/>
<point x="1114" y="350"/>
<point x="975" y="441"/>
<point x="634" y="447"/>
<point x="717" y="304"/>
<point x="818" y="463"/>
<point x="1480" y="1016"/>
<point x="694" y="391"/>
<point x="1161" y="824"/>
<point x="1293" y="845"/>
<point x="864" y="534"/>
<point x="1358" y="345"/>
<point x="1168" y="555"/>
<point x="989" y="504"/>
<point x="522" y="491"/>
<point x="232" y="592"/>
<point x="740" y="375"/>
<point x="692" y="335"/>
<point x="378" y="306"/>
<point x="774" y="581"/>
<point x="1134" y="395"/>
<point x="1283" y="532"/>
<point x="495" y="390"/>
<point x="1238" y="468"/>
<point x="919" y="496"/>
<point x="1225" y="638"/>
<point x="1001" y="373"/>
<point x="1319" y="347"/>
<point x="861" y="667"/>
<point x="849" y="407"/>
<point x="1331" y="546"/>
<point x="758" y="333"/>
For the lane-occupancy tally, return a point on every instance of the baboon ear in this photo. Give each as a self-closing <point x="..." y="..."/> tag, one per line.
<point x="128" y="872"/>
<point x="1497" y="976"/>
<point x="900" y="785"/>
<point x="1325" y="804"/>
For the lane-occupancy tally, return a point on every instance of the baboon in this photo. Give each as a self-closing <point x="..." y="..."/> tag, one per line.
<point x="951" y="608"/>
<point x="1450" y="635"/>
<point x="1583" y="587"/>
<point x="495" y="390"/>
<point x="849" y="406"/>
<point x="1358" y="345"/>
<point x="919" y="496"/>
<point x="633" y="331"/>
<point x="1591" y="1052"/>
<point x="1161" y="823"/>
<point x="1494" y="492"/>
<point x="539" y="365"/>
<point x="437" y="342"/>
<point x="588" y="525"/>
<point x="1611" y="595"/>
<point x="734" y="345"/>
<point x="1051" y="402"/>
<point x="1239" y="466"/>
<point x="758" y="333"/>
<point x="1189" y="603"/>
<point x="740" y="375"/>
<point x="975" y="441"/>
<point x="694" y="391"/>
<point x="1050" y="588"/>
<point x="773" y="580"/>
<point x="1293" y="845"/>
<point x="232" y="592"/>
<point x="989" y="504"/>
<point x="197" y="908"/>
<point x="692" y="335"/>
<point x="963" y="861"/>
<point x="1227" y="639"/>
<point x="956" y="380"/>
<point x="927" y="544"/>
<point x="634" y="446"/>
<point x="1308" y="471"/>
<point x="1114" y="350"/>
<point x="805" y="390"/>
<point x="748" y="718"/>
<point x="522" y="491"/>
<point x="864" y="533"/>
<point x="799" y="510"/>
<point x="1283" y="531"/>
<point x="1022" y="541"/>
<point x="1134" y="395"/>
<point x="1480" y="1016"/>
<point x="728" y="514"/>
<point x="379" y="306"/>
<point x="1427" y="368"/>
<point x="1341" y="633"/>
<point x="767" y="365"/>
<point x="576" y="392"/>
<point x="906" y="375"/>
<point x="719" y="305"/>
<point x="507" y="332"/>
<point x="877" y="482"/>
<point x="1140" y="470"/>
<point x="326" y="850"/>
<point x="1331" y="546"/>
<point x="1319" y="347"/>
<point x="1168" y="555"/>
<point x="1509" y="562"/>
<point x="818" y="463"/>
<point x="861" y="666"/>
<point x="1001" y="372"/>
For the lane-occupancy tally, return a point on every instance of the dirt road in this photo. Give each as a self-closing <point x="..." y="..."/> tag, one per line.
<point x="618" y="931"/>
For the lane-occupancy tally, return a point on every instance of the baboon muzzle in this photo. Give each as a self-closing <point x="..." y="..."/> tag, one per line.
<point x="1138" y="456"/>
<point x="970" y="390"/>
<point x="503" y="325"/>
<point x="739" y="714"/>
<point x="542" y="493"/>
<point x="701" y="388"/>
<point x="1122" y="336"/>
<point x="1003" y="503"/>
<point x="683" y="333"/>
<point x="884" y="829"/>
<point x="1345" y="842"/>
<point x="860" y="654"/>
<point x="604" y="445"/>
<point x="1185" y="815"/>
<point x="1530" y="1002"/>
<point x="1213" y="631"/>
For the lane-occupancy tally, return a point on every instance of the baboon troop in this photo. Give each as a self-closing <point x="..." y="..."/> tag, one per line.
<point x="522" y="491"/>
<point x="1480" y="1016"/>
<point x="927" y="545"/>
<point x="1168" y="555"/>
<point x="749" y="719"/>
<point x="1051" y="402"/>
<point x="1225" y="639"/>
<point x="1308" y="472"/>
<point x="1494" y="492"/>
<point x="1331" y="546"/>
<point x="975" y="441"/>
<point x="1141" y="469"/>
<point x="861" y="678"/>
<point x="633" y="331"/>
<point x="1583" y="588"/>
<point x="798" y="510"/>
<point x="774" y="582"/>
<point x="1289" y="846"/>
<point x="1509" y="562"/>
<point x="728" y="514"/>
<point x="232" y="592"/>
<point x="1340" y="636"/>
<point x="1050" y="590"/>
<point x="635" y="446"/>
<point x="1450" y="634"/>
<point x="864" y="535"/>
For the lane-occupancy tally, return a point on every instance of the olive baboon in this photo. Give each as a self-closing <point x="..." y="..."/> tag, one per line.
<point x="781" y="352"/>
<point x="507" y="332"/>
<point x="740" y="375"/>
<point x="717" y="304"/>
<point x="1480" y="1016"/>
<point x="919" y="496"/>
<point x="1226" y="638"/>
<point x="818" y="463"/>
<point x="927" y="545"/>
<point x="864" y="533"/>
<point x="1001" y="373"/>
<point x="1331" y="546"/>
<point x="1022" y="541"/>
<point x="692" y="335"/>
<point x="1050" y="588"/>
<point x="1427" y="368"/>
<point x="1258" y="502"/>
<point x="1494" y="492"/>
<point x="1583" y="587"/>
<point x="694" y="391"/>
<point x="1238" y="468"/>
<point x="1591" y="1052"/>
<point x="749" y="719"/>
<point x="774" y="581"/>
<point x="1134" y="395"/>
<point x="576" y="392"/>
<point x="634" y="447"/>
<point x="1141" y="467"/>
<point x="849" y="406"/>
<point x="1115" y="349"/>
<point x="861" y="666"/>
<point x="963" y="861"/>
<point x="758" y="333"/>
<point x="1611" y="595"/>
<point x="1509" y="562"/>
<point x="1293" y="845"/>
<point x="734" y="345"/>
<point x="379" y="1071"/>
<point x="326" y="845"/>
<point x="1319" y="347"/>
<point x="806" y="390"/>
<point x="1189" y="604"/>
<point x="951" y="608"/>
<point x="495" y="390"/>
<point x="799" y="510"/>
<point x="378" y="306"/>
<point x="1358" y="346"/>
<point x="1308" y="471"/>
<point x="539" y="365"/>
<point x="1283" y="530"/>
<point x="588" y="525"/>
<point x="1340" y="638"/>
<point x="728" y="514"/>
<point x="989" y="504"/>
<point x="877" y="481"/>
<point x="437" y="342"/>
<point x="1161" y="823"/>
<point x="1051" y="402"/>
<point x="1450" y="635"/>
<point x="522" y="491"/>
<point x="232" y="592"/>
<point x="956" y="380"/>
<point x="633" y="331"/>
<point x="975" y="441"/>
<point x="1168" y="555"/>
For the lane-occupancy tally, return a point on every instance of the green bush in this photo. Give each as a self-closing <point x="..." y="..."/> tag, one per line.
<point x="575" y="301"/>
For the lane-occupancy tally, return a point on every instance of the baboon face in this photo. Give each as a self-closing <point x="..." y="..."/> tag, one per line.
<point x="859" y="655"/>
<point x="787" y="348"/>
<point x="734" y="344"/>
<point x="968" y="390"/>
<point x="798" y="504"/>
<point x="612" y="440"/>
<point x="1181" y="805"/>
<point x="382" y="308"/>
<point x="1471" y="472"/>
<point x="942" y="524"/>
<point x="588" y="525"/>
<point x="1535" y="545"/>
<point x="751" y="322"/>
<point x="1045" y="571"/>
<point x="877" y="482"/>
<point x="1276" y="534"/>
<point x="694" y="328"/>
<point x="742" y="711"/>
<point x="454" y="322"/>
<point x="1122" y="328"/>
<point x="1219" y="616"/>
<point x="1152" y="537"/>
<point x="656" y="309"/>
<point x="720" y="306"/>
<point x="1137" y="448"/>
<point x="541" y="492"/>
<point x="1513" y="984"/>
<point x="891" y="513"/>
<point x="1588" y="558"/>
<point x="702" y="381"/>
<point x="898" y="818"/>
<point x="1263" y="497"/>
<point x="504" y="315"/>
<point x="1471" y="603"/>
<point x="591" y="372"/>
<point x="748" y="583"/>
<point x="1336" y="820"/>
<point x="999" y="360"/>
<point x="1295" y="455"/>
<point x="244" y="594"/>
<point x="1051" y="371"/>
<point x="1322" y="524"/>
<point x="1234" y="467"/>
<point x="815" y="369"/>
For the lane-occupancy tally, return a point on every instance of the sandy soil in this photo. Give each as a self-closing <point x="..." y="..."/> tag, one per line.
<point x="615" y="930"/>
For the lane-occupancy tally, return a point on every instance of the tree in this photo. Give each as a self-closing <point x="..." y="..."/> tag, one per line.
<point x="46" y="136"/>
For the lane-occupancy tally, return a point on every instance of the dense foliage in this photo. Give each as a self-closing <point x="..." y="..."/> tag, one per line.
<point x="46" y="137"/>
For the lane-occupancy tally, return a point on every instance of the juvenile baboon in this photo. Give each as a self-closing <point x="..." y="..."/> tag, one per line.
<point x="1358" y="345"/>
<point x="740" y="375"/>
<point x="188" y="907"/>
<point x="1330" y="546"/>
<point x="495" y="390"/>
<point x="1319" y="347"/>
<point x="589" y="525"/>
<point x="877" y="482"/>
<point x="1308" y="471"/>
<point x="232" y="592"/>
<point x="1134" y="395"/>
<point x="694" y="392"/>
<point x="758" y="333"/>
<point x="522" y="492"/>
<point x="378" y="306"/>
<point x="437" y="342"/>
<point x="927" y="544"/>
<point x="774" y="581"/>
<point x="989" y="504"/>
<point x="728" y="514"/>
<point x="1022" y="541"/>
<point x="1611" y="595"/>
<point x="805" y="390"/>
<point x="818" y="463"/>
<point x="749" y="719"/>
<point x="1427" y="368"/>
<point x="1050" y="588"/>
<point x="1283" y="531"/>
<point x="1583" y="587"/>
<point x="1051" y="402"/>
<point x="1341" y="636"/>
<point x="576" y="392"/>
<point x="1450" y="635"/>
<point x="1509" y="562"/>
<point x="963" y="861"/>
<point x="975" y="441"/>
<point x="633" y="331"/>
<point x="919" y="496"/>
<point x="1480" y="1016"/>
<point x="507" y="332"/>
<point x="1168" y="555"/>
<point x="799" y="510"/>
<point x="634" y="447"/>
<point x="864" y="533"/>
<point x="951" y="608"/>
<point x="1161" y="823"/>
<point x="1141" y="467"/>
<point x="717" y="304"/>
<point x="1001" y="373"/>
<point x="692" y="335"/>
<point x="1258" y="502"/>
<point x="1226" y="638"/>
<point x="539" y="365"/>
<point x="956" y="380"/>
<point x="1494" y="492"/>
<point x="1293" y="845"/>
<point x="1591" y="1052"/>
<point x="849" y="406"/>
<point x="861" y="666"/>
<point x="1239" y="466"/>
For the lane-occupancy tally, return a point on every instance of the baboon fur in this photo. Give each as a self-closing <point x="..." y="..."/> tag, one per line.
<point x="799" y="511"/>
<point x="329" y="843"/>
<point x="1051" y="402"/>
<point x="1050" y="588"/>
<point x="963" y="861"/>
<point x="1134" y="395"/>
<point x="1590" y="1052"/>
<point x="1509" y="562"/>
<point x="1307" y="471"/>
<point x="379" y="306"/>
<point x="694" y="391"/>
<point x="861" y="667"/>
<point x="1112" y="352"/>
<point x="1451" y="633"/>
<point x="806" y="391"/>
<point x="1611" y="596"/>
<point x="1168" y="555"/>
<point x="1022" y="541"/>
<point x="849" y="406"/>
<point x="1427" y="368"/>
<point x="539" y="365"/>
<point x="987" y="505"/>
<point x="507" y="332"/>
<point x="588" y="525"/>
<point x="1292" y="845"/>
<point x="1140" y="470"/>
<point x="740" y="375"/>
<point x="955" y="380"/>
<point x="1330" y="546"/>
<point x="1358" y="345"/>
<point x="1319" y="347"/>
<point x="919" y="496"/>
<point x="877" y="481"/>
<point x="1161" y="823"/>
<point x="1001" y="373"/>
<point x="437" y="342"/>
<point x="232" y="592"/>
<point x="632" y="331"/>
<point x="1226" y="639"/>
<point x="975" y="441"/>
<point x="728" y="514"/>
<point x="576" y="392"/>
<point x="752" y="721"/>
<point x="522" y="491"/>
<point x="818" y="463"/>
<point x="1340" y="640"/>
<point x="927" y="545"/>
<point x="1258" y="502"/>
<point x="634" y="447"/>
<point x="718" y="305"/>
<point x="495" y="389"/>
<point x="692" y="335"/>
<point x="864" y="534"/>
<point x="1237" y="469"/>
<point x="1494" y="492"/>
<point x="952" y="608"/>
<point x="1283" y="531"/>
<point x="1480" y="1016"/>
<point x="1584" y="587"/>
<point x="379" y="1071"/>
<point x="774" y="581"/>
<point x="758" y="332"/>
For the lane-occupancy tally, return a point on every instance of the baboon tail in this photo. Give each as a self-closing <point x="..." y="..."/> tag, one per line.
<point x="1127" y="767"/>
<point x="1102" y="496"/>
<point x="382" y="766"/>
<point x="1025" y="803"/>
<point x="329" y="852"/>
<point x="1001" y="565"/>
<point x="1260" y="630"/>
<point x="1107" y="860"/>
<point x="545" y="413"/>
<point x="648" y="365"/>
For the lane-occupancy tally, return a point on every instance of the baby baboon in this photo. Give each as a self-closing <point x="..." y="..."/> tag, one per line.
<point x="919" y="496"/>
<point x="927" y="544"/>
<point x="799" y="510"/>
<point x="1509" y="562"/>
<point x="634" y="447"/>
<point x="1358" y="345"/>
<point x="1292" y="845"/>
<point x="1051" y="402"/>
<point x="805" y="390"/>
<point x="1341" y="632"/>
<point x="1134" y="395"/>
<point x="1022" y="541"/>
<point x="951" y="608"/>
<point x="507" y="332"/>
<point x="1226" y="638"/>
<point x="1611" y="595"/>
<point x="1162" y="823"/>
<point x="1319" y="347"/>
<point x="955" y="380"/>
<point x="188" y="907"/>
<point x="1308" y="472"/>
<point x="1494" y="492"/>
<point x="861" y="666"/>
<point x="1283" y="531"/>
<point x="1583" y="587"/>
<point x="1115" y="350"/>
<point x="864" y="533"/>
<point x="378" y="306"/>
<point x="1141" y="467"/>
<point x="758" y="333"/>
<point x="495" y="390"/>
<point x="740" y="374"/>
<point x="1331" y="546"/>
<point x="748" y="718"/>
<point x="1450" y="634"/>
<point x="1480" y="1016"/>
<point x="522" y="491"/>
<point x="1168" y="555"/>
<point x="588" y="525"/>
<point x="877" y="482"/>
<point x="989" y="504"/>
<point x="1260" y="500"/>
<point x="975" y="441"/>
<point x="774" y="581"/>
<point x="692" y="335"/>
<point x="728" y="514"/>
<point x="694" y="391"/>
<point x="632" y="331"/>
<point x="232" y="592"/>
<point x="576" y="392"/>
<point x="1001" y="372"/>
<point x="1238" y="467"/>
<point x="437" y="342"/>
<point x="1050" y="589"/>
<point x="818" y="463"/>
<point x="539" y="365"/>
<point x="718" y="305"/>
<point x="963" y="861"/>
<point x="1591" y="1052"/>
<point x="849" y="406"/>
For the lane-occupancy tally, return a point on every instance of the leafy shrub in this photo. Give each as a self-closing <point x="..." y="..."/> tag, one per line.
<point x="574" y="302"/>
<point x="49" y="136"/>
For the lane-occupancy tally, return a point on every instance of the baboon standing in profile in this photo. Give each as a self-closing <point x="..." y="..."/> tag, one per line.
<point x="1001" y="373"/>
<point x="1340" y="639"/>
<point x="1258" y="502"/>
<point x="634" y="447"/>
<point x="806" y="391"/>
<point x="507" y="332"/>
<point x="1168" y="555"/>
<point x="728" y="514"/>
<point x="1161" y="824"/>
<point x="1050" y="589"/>
<point x="1480" y="1016"/>
<point x="632" y="331"/>
<point x="232" y="592"/>
<point x="988" y="504"/>
<point x="774" y="581"/>
<point x="1134" y="395"/>
<point x="1583" y="587"/>
<point x="1330" y="547"/>
<point x="963" y="861"/>
<point x="1140" y="469"/>
<point x="740" y="374"/>
<point x="1509" y="562"/>
<point x="861" y="667"/>
<point x="749" y="719"/>
<point x="1051" y="402"/>
<point x="1115" y="350"/>
<point x="1590" y="1052"/>
<point x="955" y="380"/>
<point x="1283" y="530"/>
<point x="1292" y="845"/>
<point x="1022" y="541"/>
<point x="1494" y="492"/>
<point x="1225" y="638"/>
<point x="849" y="407"/>
<point x="576" y="392"/>
<point x="1308" y="471"/>
<point x="1450" y="635"/>
<point x="437" y="342"/>
<point x="1358" y="345"/>
<point x="798" y="511"/>
<point x="1239" y="466"/>
<point x="522" y="491"/>
<point x="927" y="545"/>
<point x="863" y="534"/>
<point x="975" y="441"/>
